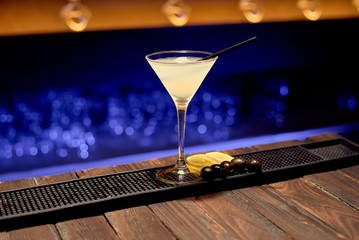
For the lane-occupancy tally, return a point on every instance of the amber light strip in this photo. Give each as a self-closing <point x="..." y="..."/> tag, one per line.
<point x="41" y="16"/>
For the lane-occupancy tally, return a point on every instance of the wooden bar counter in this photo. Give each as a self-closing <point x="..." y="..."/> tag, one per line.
<point x="322" y="205"/>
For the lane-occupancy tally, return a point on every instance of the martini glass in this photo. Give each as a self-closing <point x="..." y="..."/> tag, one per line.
<point x="181" y="72"/>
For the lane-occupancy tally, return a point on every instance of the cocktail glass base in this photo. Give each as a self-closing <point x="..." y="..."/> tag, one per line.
<point x="173" y="176"/>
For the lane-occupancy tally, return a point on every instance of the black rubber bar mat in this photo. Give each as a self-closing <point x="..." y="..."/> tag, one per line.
<point x="96" y="195"/>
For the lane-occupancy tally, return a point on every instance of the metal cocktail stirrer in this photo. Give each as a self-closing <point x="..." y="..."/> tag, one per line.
<point x="229" y="48"/>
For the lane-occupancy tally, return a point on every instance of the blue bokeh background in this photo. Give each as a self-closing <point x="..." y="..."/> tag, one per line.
<point x="88" y="96"/>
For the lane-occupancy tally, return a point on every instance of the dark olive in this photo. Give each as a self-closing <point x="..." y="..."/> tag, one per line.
<point x="217" y="170"/>
<point x="254" y="165"/>
<point x="207" y="173"/>
<point x="227" y="167"/>
<point x="238" y="164"/>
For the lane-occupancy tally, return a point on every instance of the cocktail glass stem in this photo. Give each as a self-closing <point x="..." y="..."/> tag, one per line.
<point x="181" y="166"/>
<point x="179" y="174"/>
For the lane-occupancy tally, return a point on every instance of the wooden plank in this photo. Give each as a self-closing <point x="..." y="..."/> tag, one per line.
<point x="55" y="178"/>
<point x="95" y="172"/>
<point x="138" y="223"/>
<point x="160" y="162"/>
<point x="131" y="166"/>
<point x="234" y="215"/>
<point x="157" y="162"/>
<point x="188" y="221"/>
<point x="351" y="172"/>
<point x="19" y="183"/>
<point x="95" y="227"/>
<point x="286" y="214"/>
<point x="38" y="232"/>
<point x="322" y="137"/>
<point x="338" y="185"/>
<point x="321" y="205"/>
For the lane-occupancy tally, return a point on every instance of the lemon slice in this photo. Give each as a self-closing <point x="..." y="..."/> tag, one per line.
<point x="197" y="160"/>
<point x="217" y="157"/>
<point x="194" y="169"/>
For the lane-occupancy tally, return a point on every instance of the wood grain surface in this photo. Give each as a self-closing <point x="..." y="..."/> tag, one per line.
<point x="323" y="205"/>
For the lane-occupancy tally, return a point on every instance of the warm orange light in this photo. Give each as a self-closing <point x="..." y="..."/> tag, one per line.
<point x="76" y="15"/>
<point x="177" y="12"/>
<point x="252" y="10"/>
<point x="311" y="9"/>
<point x="356" y="4"/>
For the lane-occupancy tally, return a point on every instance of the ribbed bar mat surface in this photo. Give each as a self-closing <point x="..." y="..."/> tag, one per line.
<point x="100" y="191"/>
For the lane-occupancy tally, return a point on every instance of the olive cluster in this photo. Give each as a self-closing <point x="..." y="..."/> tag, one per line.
<point x="226" y="168"/>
